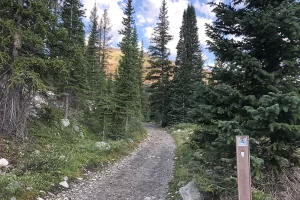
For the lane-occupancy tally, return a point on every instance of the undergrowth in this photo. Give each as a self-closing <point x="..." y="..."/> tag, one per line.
<point x="52" y="152"/>
<point x="188" y="167"/>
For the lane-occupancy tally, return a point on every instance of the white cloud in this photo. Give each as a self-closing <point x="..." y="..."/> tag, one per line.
<point x="115" y="13"/>
<point x="148" y="31"/>
<point x="206" y="9"/>
<point x="140" y="20"/>
<point x="201" y="21"/>
<point x="140" y="45"/>
<point x="204" y="57"/>
<point x="150" y="11"/>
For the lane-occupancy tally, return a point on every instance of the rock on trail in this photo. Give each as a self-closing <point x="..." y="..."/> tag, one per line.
<point x="143" y="175"/>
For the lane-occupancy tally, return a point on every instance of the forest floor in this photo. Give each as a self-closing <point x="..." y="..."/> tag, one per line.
<point x="143" y="175"/>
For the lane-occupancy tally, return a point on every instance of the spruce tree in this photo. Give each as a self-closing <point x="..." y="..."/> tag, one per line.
<point x="161" y="68"/>
<point x="104" y="100"/>
<point x="73" y="52"/>
<point x="187" y="73"/>
<point x="24" y="62"/>
<point x="104" y="40"/>
<point x="254" y="90"/>
<point x="127" y="96"/>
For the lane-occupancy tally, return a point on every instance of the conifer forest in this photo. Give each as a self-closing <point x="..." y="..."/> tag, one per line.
<point x="63" y="111"/>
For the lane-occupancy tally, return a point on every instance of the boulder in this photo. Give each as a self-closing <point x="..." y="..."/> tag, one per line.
<point x="3" y="162"/>
<point x="190" y="192"/>
<point x="102" y="146"/>
<point x="65" y="122"/>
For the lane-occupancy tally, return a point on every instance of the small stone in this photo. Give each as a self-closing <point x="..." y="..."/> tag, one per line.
<point x="3" y="162"/>
<point x="62" y="157"/>
<point x="13" y="198"/>
<point x="39" y="198"/>
<point x="37" y="151"/>
<point x="81" y="135"/>
<point x="130" y="140"/>
<point x="80" y="179"/>
<point x="64" y="184"/>
<point x="76" y="129"/>
<point x="65" y="122"/>
<point x="51" y="194"/>
<point x="29" y="188"/>
<point x="102" y="146"/>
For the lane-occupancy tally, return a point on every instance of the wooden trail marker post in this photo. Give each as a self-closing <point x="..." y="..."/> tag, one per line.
<point x="243" y="167"/>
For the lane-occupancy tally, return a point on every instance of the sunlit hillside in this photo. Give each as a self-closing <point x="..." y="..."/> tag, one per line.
<point x="115" y="56"/>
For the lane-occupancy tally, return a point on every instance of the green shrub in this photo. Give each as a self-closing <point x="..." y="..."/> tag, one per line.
<point x="44" y="162"/>
<point x="260" y="195"/>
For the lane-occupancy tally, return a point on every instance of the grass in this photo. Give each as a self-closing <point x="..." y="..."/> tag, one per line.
<point x="183" y="172"/>
<point x="51" y="153"/>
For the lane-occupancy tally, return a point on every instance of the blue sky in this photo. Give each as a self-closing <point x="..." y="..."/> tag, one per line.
<point x="146" y="16"/>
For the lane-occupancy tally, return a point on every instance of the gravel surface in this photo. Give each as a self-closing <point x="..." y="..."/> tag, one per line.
<point x="143" y="175"/>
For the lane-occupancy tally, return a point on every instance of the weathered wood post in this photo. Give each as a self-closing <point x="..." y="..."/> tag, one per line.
<point x="243" y="167"/>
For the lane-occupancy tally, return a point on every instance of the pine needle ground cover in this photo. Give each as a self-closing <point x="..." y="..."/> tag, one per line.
<point x="53" y="152"/>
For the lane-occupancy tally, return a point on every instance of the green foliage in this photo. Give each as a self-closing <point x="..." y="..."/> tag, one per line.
<point x="254" y="91"/>
<point x="187" y="74"/>
<point x="127" y="111"/>
<point x="161" y="68"/>
<point x="46" y="162"/>
<point x="259" y="195"/>
<point x="53" y="152"/>
<point x="49" y="115"/>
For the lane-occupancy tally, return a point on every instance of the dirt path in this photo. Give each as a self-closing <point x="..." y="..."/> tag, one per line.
<point x="143" y="175"/>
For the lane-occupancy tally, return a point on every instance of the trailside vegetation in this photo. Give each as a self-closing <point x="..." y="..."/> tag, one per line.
<point x="254" y="91"/>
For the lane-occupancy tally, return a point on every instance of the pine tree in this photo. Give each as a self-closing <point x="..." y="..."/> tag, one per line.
<point x="73" y="52"/>
<point x="254" y="90"/>
<point x="187" y="73"/>
<point x="104" y="40"/>
<point x="104" y="101"/>
<point x="127" y="110"/>
<point x="24" y="61"/>
<point x="160" y="67"/>
<point x="93" y="32"/>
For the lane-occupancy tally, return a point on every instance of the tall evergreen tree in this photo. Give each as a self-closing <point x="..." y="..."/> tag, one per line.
<point x="24" y="61"/>
<point x="127" y="111"/>
<point x="93" y="32"/>
<point x="254" y="91"/>
<point x="104" y="40"/>
<point x="187" y="73"/>
<point x="105" y="87"/>
<point x="161" y="68"/>
<point x="76" y="84"/>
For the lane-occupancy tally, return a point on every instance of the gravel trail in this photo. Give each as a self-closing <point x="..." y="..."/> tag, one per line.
<point x="143" y="175"/>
